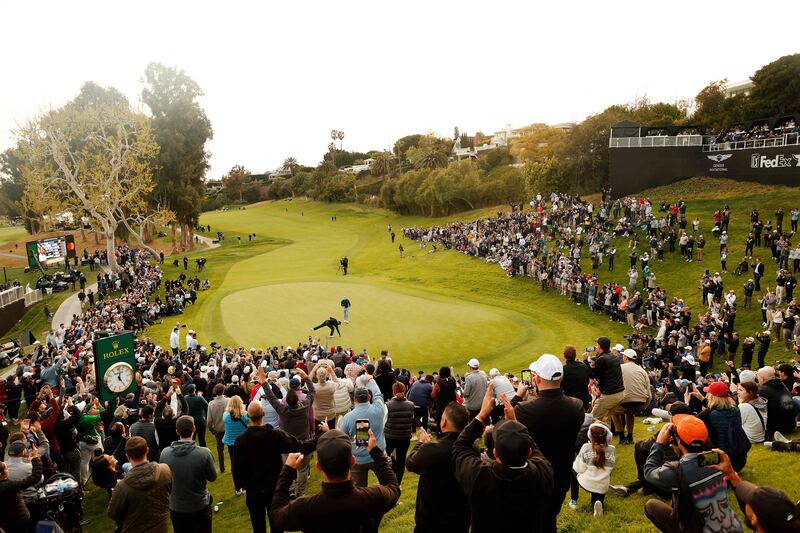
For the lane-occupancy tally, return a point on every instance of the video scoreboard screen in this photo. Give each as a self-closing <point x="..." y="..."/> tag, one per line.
<point x="47" y="251"/>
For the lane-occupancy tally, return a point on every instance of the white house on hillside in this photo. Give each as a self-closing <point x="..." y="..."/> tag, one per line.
<point x="356" y="169"/>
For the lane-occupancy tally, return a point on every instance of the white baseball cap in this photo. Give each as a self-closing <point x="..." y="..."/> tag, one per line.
<point x="618" y="347"/>
<point x="630" y="354"/>
<point x="548" y="367"/>
<point x="473" y="363"/>
<point x="746" y="375"/>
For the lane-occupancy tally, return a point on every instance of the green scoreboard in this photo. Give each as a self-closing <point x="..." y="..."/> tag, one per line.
<point x="115" y="365"/>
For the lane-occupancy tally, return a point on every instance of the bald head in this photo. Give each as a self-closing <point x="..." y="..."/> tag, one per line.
<point x="766" y="373"/>
<point x="255" y="412"/>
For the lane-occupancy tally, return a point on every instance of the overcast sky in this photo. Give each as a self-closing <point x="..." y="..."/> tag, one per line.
<point x="278" y="76"/>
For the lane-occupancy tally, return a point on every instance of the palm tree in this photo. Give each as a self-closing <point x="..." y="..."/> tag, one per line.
<point x="332" y="149"/>
<point x="340" y="136"/>
<point x="291" y="164"/>
<point x="384" y="164"/>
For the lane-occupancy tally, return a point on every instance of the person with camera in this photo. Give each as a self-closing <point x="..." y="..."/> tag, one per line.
<point x="553" y="420"/>
<point x="765" y="509"/>
<point x="606" y="369"/>
<point x="373" y="411"/>
<point x="294" y="417"/>
<point x="700" y="496"/>
<point x="516" y="486"/>
<point x="340" y="501"/>
<point x="15" y="515"/>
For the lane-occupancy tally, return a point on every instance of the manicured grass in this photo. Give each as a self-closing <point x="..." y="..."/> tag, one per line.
<point x="11" y="234"/>
<point x="263" y="287"/>
<point x="416" y="327"/>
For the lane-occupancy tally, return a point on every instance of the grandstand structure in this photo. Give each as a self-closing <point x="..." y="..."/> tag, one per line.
<point x="765" y="151"/>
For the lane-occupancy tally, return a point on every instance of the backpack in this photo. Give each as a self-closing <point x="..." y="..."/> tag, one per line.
<point x="48" y="526"/>
<point x="738" y="443"/>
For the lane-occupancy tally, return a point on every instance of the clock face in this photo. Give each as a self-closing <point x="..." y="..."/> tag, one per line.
<point x="118" y="377"/>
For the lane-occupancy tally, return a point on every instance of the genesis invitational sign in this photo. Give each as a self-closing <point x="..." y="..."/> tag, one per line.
<point x="637" y="168"/>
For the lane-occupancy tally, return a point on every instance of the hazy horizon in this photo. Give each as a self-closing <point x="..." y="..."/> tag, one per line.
<point x="278" y="78"/>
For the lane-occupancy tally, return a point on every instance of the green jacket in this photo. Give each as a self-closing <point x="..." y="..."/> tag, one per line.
<point x="198" y="406"/>
<point x="87" y="423"/>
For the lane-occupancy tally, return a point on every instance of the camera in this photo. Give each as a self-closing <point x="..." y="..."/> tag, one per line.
<point x="590" y="349"/>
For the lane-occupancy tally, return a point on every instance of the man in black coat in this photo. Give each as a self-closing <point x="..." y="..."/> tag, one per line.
<point x="758" y="272"/>
<point x="259" y="459"/>
<point x="332" y="324"/>
<point x="553" y="420"/>
<point x="516" y="487"/>
<point x="780" y="409"/>
<point x="606" y="368"/>
<point x="441" y="503"/>
<point x="575" y="382"/>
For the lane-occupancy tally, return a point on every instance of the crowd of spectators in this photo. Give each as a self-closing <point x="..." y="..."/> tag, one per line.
<point x="277" y="412"/>
<point x="757" y="131"/>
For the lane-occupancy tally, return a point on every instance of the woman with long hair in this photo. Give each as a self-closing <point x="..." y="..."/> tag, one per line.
<point x="593" y="466"/>
<point x="720" y="414"/>
<point x="753" y="409"/>
<point x="235" y="419"/>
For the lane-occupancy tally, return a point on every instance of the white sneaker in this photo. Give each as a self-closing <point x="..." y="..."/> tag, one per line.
<point x="780" y="438"/>
<point x="768" y="444"/>
<point x="598" y="508"/>
<point x="619" y="490"/>
<point x="573" y="504"/>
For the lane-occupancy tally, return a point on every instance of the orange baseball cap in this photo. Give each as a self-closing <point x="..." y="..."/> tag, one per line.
<point x="690" y="429"/>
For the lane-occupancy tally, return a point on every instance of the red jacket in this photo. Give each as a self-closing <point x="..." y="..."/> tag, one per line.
<point x="49" y="423"/>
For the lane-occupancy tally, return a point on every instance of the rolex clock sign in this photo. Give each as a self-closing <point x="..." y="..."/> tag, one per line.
<point x="115" y="365"/>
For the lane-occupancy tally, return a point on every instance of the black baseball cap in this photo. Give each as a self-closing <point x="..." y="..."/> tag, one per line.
<point x="334" y="451"/>
<point x="512" y="443"/>
<point x="775" y="511"/>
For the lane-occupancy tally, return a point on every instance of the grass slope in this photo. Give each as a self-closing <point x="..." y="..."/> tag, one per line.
<point x="296" y="268"/>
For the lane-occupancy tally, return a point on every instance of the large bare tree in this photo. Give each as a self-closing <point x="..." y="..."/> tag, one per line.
<point x="98" y="154"/>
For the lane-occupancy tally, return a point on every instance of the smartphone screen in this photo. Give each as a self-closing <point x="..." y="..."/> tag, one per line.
<point x="362" y="432"/>
<point x="707" y="458"/>
<point x="526" y="376"/>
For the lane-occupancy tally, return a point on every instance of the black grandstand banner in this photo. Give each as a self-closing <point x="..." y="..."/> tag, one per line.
<point x="635" y="165"/>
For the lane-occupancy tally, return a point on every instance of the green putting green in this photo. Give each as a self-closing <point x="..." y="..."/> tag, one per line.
<point x="418" y="328"/>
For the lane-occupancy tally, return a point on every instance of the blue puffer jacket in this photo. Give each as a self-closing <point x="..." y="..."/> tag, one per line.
<point x="420" y="393"/>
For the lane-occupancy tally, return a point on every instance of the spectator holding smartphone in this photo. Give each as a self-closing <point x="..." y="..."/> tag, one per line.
<point x="364" y="410"/>
<point x="15" y="515"/>
<point x="340" y="501"/>
<point x="765" y="509"/>
<point x="510" y="490"/>
<point x="701" y="495"/>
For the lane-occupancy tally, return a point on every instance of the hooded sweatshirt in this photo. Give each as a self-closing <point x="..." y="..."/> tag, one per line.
<point x="140" y="502"/>
<point x="192" y="467"/>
